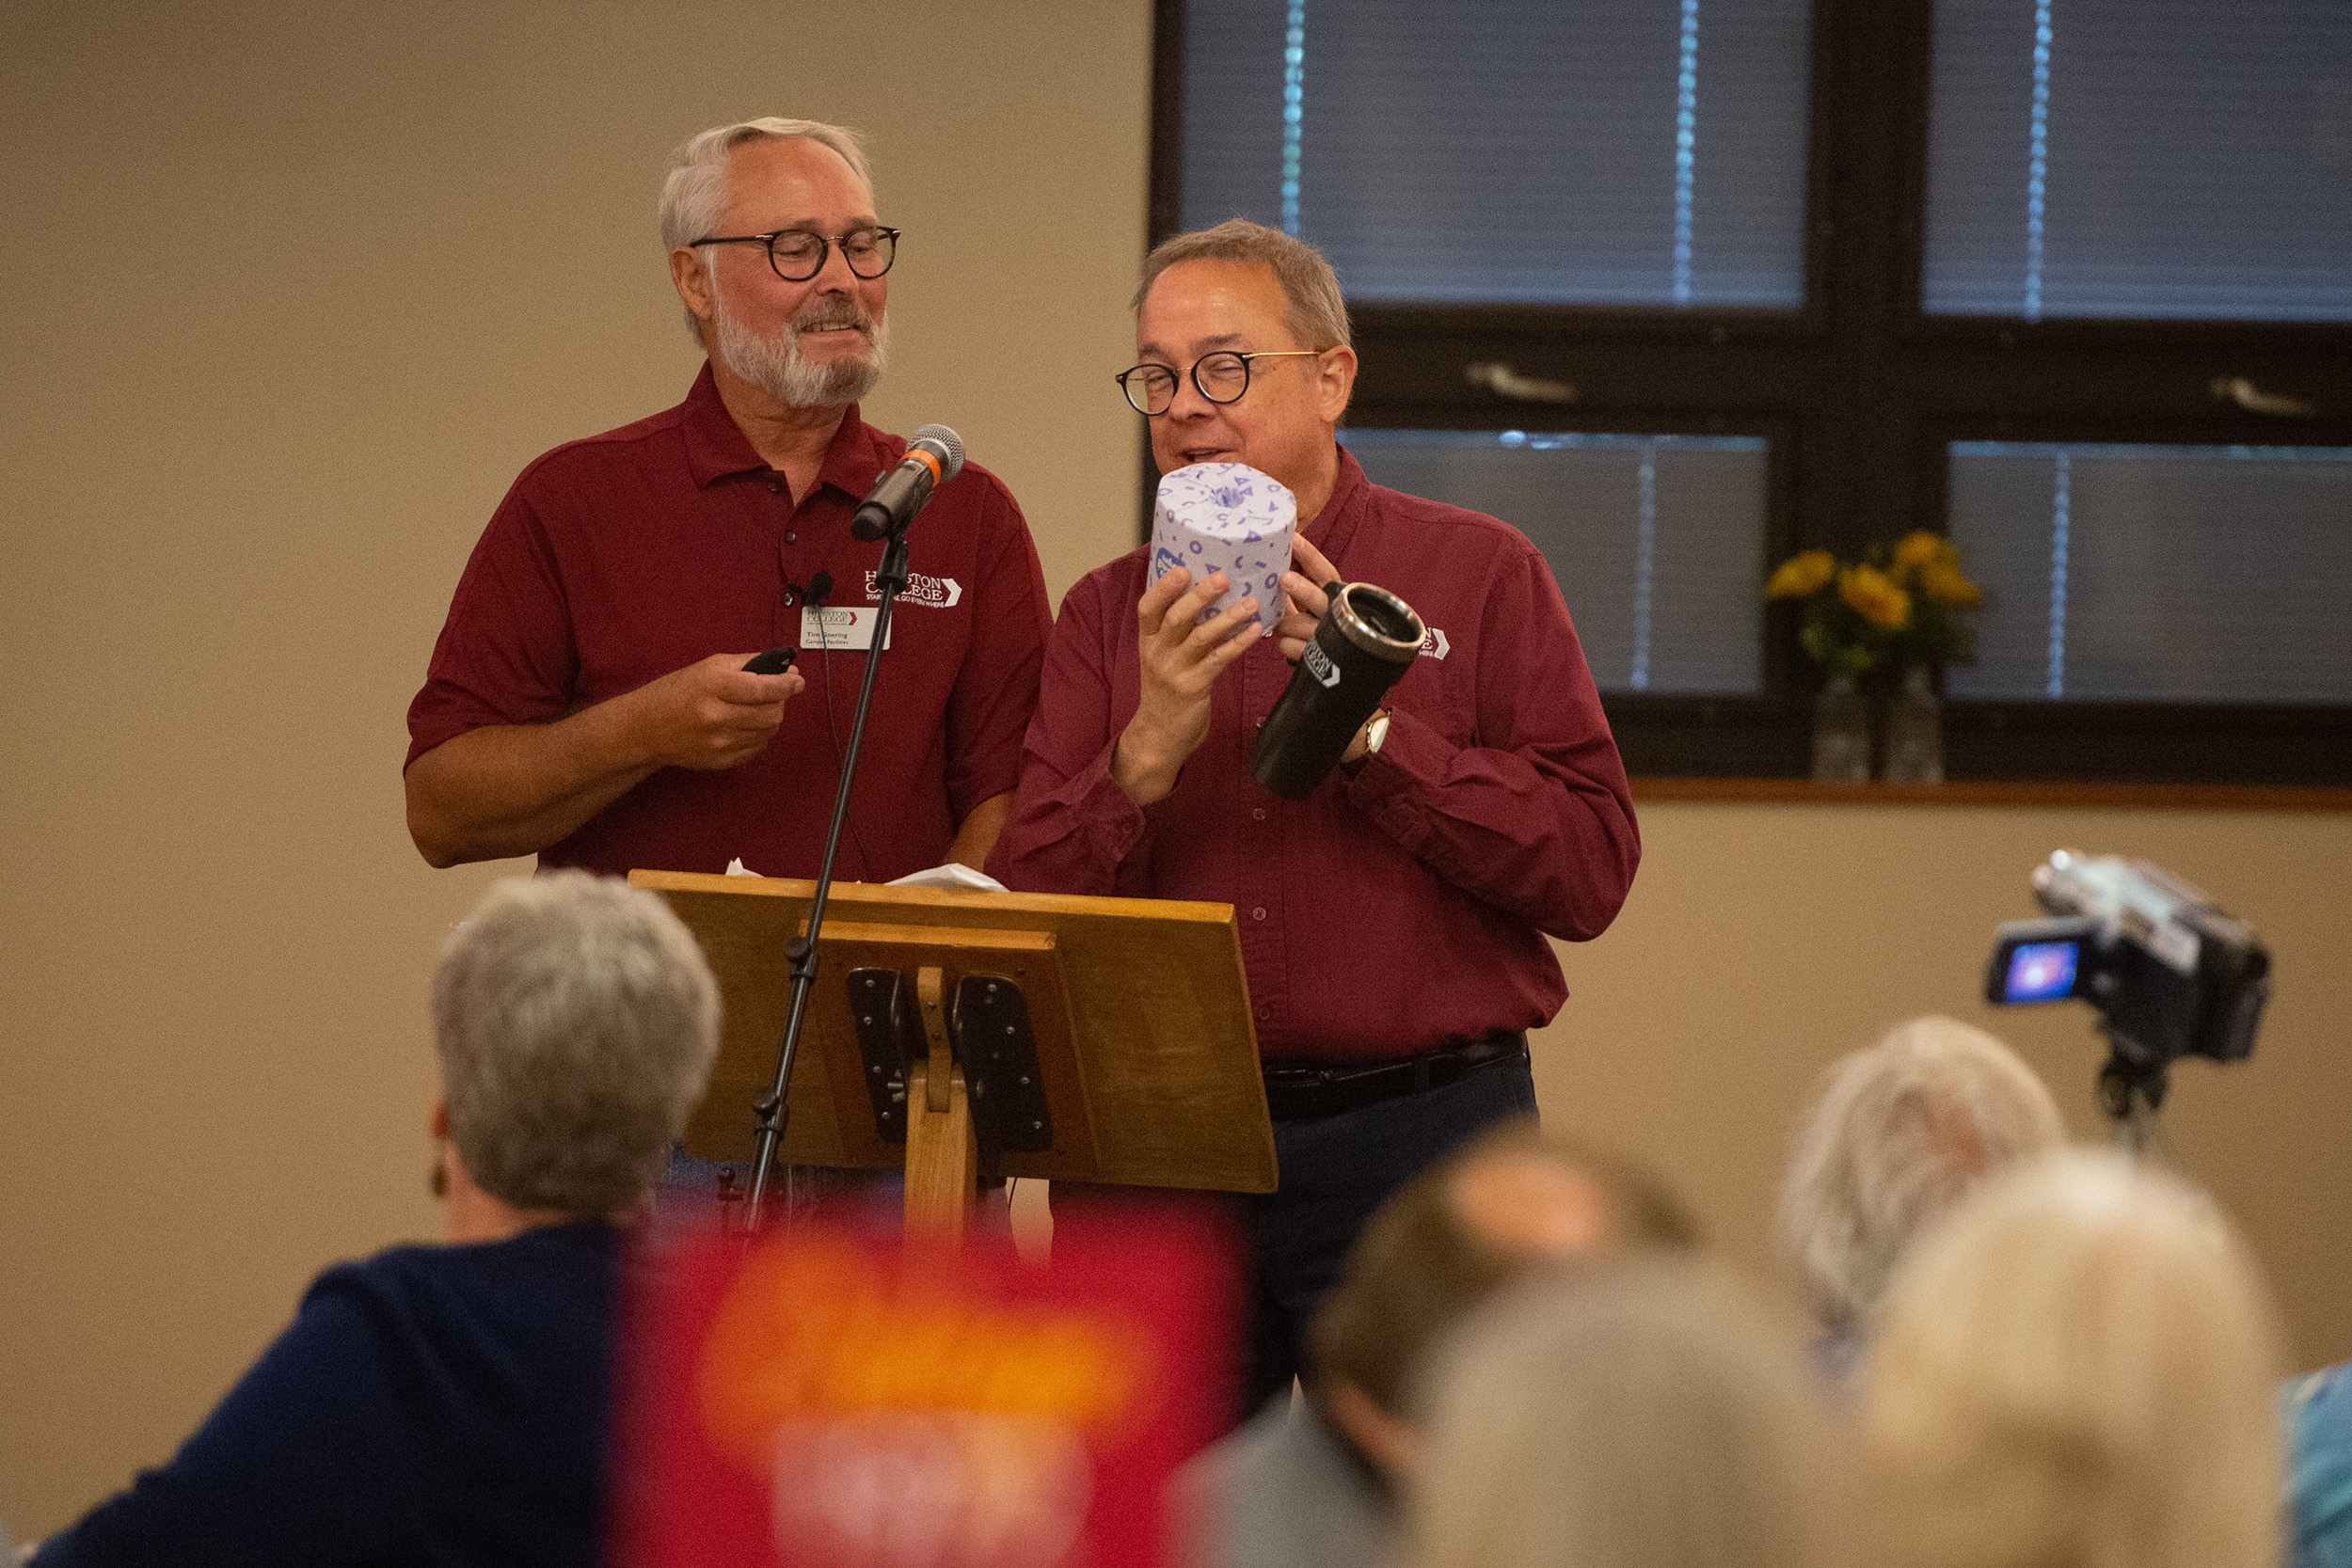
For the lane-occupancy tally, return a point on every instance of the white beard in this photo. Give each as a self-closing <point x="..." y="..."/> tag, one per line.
<point x="777" y="367"/>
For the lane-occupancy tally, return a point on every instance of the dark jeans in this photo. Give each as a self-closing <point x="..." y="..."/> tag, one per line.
<point x="1334" y="1173"/>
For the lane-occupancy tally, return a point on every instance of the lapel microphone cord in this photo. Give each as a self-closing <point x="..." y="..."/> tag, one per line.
<point x="813" y="595"/>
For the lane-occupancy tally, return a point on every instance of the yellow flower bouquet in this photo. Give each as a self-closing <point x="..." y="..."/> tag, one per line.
<point x="1899" y="607"/>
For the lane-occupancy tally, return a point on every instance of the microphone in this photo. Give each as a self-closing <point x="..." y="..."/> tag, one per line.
<point x="933" y="457"/>
<point x="812" y="593"/>
<point x="1366" y="641"/>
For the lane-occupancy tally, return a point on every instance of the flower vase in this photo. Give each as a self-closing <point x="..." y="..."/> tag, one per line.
<point x="1841" y="734"/>
<point x="1914" y="731"/>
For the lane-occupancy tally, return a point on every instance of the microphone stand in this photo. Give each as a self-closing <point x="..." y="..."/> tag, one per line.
<point x="771" y="1110"/>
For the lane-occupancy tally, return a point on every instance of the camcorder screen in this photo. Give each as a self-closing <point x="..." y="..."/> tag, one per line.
<point x="2042" y="972"/>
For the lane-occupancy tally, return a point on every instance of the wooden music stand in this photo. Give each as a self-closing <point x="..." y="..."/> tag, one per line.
<point x="1146" y="1062"/>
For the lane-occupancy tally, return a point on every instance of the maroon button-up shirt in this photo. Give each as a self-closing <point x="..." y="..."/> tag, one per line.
<point x="616" y="560"/>
<point x="1406" y="905"/>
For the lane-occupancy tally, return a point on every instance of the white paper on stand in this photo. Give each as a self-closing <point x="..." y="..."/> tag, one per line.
<point x="954" y="874"/>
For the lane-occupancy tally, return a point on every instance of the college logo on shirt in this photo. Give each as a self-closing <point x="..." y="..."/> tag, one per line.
<point x="933" y="593"/>
<point x="1434" y="645"/>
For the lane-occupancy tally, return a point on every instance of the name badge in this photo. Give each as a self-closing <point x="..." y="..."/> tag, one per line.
<point x="831" y="626"/>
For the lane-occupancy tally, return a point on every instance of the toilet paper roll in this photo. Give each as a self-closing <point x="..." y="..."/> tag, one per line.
<point x="1226" y="518"/>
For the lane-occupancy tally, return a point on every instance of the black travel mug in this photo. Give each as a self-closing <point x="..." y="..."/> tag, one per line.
<point x="1366" y="640"/>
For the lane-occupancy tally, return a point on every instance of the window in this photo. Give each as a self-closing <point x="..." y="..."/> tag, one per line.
<point x="1667" y="604"/>
<point x="1683" y="286"/>
<point x="2141" y="158"/>
<point x="1454" y="115"/>
<point x="2158" y="573"/>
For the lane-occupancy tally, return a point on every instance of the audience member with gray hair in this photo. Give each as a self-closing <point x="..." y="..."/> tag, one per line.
<point x="447" y="1404"/>
<point x="2076" y="1371"/>
<point x="1899" y="1135"/>
<point x="1645" y="1416"/>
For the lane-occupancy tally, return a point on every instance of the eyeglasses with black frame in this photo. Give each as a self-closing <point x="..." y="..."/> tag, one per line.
<point x="1220" y="377"/>
<point x="799" y="254"/>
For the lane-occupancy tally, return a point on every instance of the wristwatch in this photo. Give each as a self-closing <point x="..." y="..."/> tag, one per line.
<point x="1376" y="731"/>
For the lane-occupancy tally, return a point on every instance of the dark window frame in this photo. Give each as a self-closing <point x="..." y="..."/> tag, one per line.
<point x="1860" y="392"/>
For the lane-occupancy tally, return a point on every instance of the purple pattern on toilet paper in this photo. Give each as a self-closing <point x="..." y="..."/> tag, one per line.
<point x="1228" y="517"/>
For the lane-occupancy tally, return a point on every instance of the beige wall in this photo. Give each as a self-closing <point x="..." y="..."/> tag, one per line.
<point x="292" y="293"/>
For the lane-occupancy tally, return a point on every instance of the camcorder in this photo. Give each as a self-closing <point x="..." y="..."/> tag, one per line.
<point x="2170" y="973"/>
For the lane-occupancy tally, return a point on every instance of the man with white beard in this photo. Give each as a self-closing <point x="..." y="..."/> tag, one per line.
<point x="587" y="701"/>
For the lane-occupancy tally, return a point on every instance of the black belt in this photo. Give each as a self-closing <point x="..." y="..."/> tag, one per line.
<point x="1297" y="1092"/>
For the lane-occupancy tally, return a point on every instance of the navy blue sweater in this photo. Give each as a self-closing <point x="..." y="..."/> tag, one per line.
<point x="443" y="1406"/>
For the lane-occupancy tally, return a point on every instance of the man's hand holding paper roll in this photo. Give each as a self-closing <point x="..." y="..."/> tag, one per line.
<point x="1181" y="661"/>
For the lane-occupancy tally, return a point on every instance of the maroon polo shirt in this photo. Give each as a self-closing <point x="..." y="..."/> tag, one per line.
<point x="1390" y="912"/>
<point x="616" y="560"/>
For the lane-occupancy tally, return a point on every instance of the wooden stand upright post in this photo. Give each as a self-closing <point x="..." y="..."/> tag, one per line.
<point x="943" y="1152"/>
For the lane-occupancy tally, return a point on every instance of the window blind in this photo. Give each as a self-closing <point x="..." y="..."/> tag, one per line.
<point x="2141" y="158"/>
<point x="1613" y="152"/>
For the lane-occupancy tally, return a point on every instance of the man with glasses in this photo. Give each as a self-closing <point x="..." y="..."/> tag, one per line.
<point x="587" y="701"/>
<point x="1393" y="924"/>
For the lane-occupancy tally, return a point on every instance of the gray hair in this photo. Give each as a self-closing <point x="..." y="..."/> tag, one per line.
<point x="1899" y="1135"/>
<point x="576" y="1022"/>
<point x="1314" y="308"/>
<point x="2076" y="1369"/>
<point x="1647" y="1417"/>
<point x="695" y="193"/>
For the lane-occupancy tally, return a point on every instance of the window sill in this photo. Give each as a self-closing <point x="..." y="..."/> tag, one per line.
<point x="2097" y="796"/>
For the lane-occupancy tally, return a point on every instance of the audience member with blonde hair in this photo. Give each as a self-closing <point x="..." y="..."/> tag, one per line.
<point x="1645" y="1416"/>
<point x="2076" y="1371"/>
<point x="1899" y="1133"/>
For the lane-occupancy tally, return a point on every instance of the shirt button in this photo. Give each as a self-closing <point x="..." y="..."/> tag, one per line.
<point x="1257" y="913"/>
<point x="791" y="538"/>
<point x="1257" y="813"/>
<point x="775" y="488"/>
<point x="1264" y="1013"/>
<point x="1258" y="725"/>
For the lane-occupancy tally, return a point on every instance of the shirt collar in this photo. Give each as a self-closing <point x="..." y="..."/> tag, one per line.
<point x="1332" y="527"/>
<point x="858" y="455"/>
<point x="716" y="447"/>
